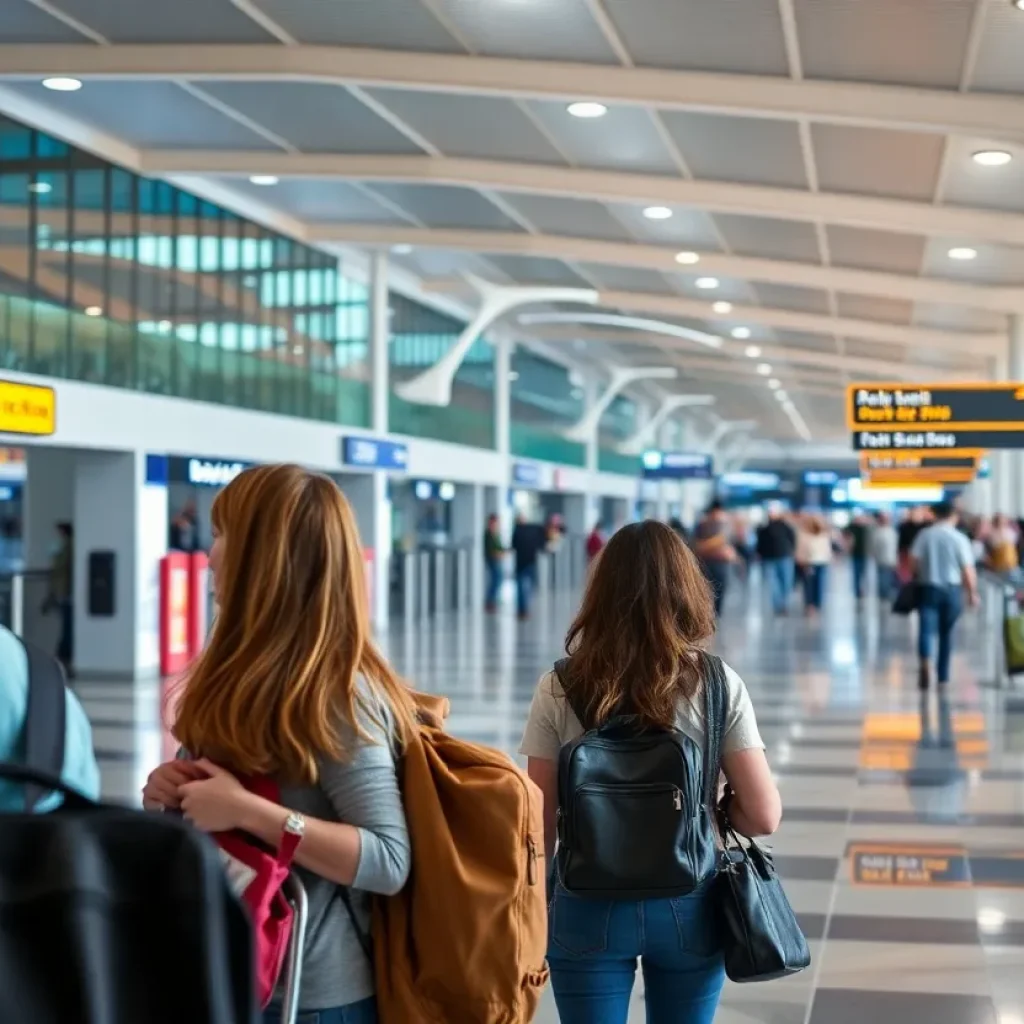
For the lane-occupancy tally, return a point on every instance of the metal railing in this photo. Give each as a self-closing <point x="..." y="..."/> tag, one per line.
<point x="23" y="607"/>
<point x="1001" y="595"/>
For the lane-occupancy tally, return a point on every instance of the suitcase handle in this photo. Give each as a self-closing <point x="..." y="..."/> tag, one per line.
<point x="49" y="783"/>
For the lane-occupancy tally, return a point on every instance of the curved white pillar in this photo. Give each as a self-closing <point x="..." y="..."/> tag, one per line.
<point x="645" y="436"/>
<point x="622" y="376"/>
<point x="434" y="385"/>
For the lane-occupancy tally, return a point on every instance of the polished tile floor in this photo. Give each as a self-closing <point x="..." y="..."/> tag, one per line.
<point x="903" y="841"/>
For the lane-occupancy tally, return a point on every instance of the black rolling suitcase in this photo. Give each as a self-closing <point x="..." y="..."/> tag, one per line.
<point x="108" y="915"/>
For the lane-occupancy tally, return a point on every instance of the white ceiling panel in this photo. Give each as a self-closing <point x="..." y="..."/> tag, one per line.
<point x="442" y="263"/>
<point x="149" y="114"/>
<point x="624" y="139"/>
<point x="551" y="30"/>
<point x="875" y="250"/>
<point x="703" y="35"/>
<point x="770" y="238"/>
<point x="686" y="228"/>
<point x="387" y="24"/>
<point x="898" y="42"/>
<point x="874" y="161"/>
<point x="869" y="307"/>
<point x="729" y="288"/>
<point x="21" y="22"/>
<point x="999" y="67"/>
<point x="479" y="127"/>
<point x="442" y="206"/>
<point x="970" y="184"/>
<point x="811" y="342"/>
<point x="630" y="279"/>
<point x="534" y="270"/>
<point x="995" y="264"/>
<point x="756" y="150"/>
<point x="578" y="218"/>
<point x="785" y="296"/>
<point x="318" y="200"/>
<point x="958" y="318"/>
<point x="181" y="21"/>
<point x="876" y="350"/>
<point x="315" y="118"/>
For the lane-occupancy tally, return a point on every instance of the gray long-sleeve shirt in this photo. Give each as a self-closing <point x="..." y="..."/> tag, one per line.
<point x="361" y="791"/>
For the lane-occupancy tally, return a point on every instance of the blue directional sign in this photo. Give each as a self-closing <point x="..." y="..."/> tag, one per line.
<point x="526" y="474"/>
<point x="374" y="453"/>
<point x="677" y="466"/>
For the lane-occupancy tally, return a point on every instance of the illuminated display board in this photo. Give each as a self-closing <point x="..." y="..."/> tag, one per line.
<point x="892" y="468"/>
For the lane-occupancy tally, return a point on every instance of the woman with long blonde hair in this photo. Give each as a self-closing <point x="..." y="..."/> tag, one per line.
<point x="291" y="687"/>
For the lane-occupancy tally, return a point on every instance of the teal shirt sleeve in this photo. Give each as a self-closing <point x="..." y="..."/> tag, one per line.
<point x="81" y="771"/>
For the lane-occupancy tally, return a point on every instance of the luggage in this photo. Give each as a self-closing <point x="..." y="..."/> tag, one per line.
<point x="635" y="806"/>
<point x="115" y="916"/>
<point x="908" y="599"/>
<point x="465" y="940"/>
<point x="1013" y="641"/>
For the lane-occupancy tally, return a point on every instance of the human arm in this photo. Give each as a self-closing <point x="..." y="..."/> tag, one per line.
<point x="968" y="573"/>
<point x="541" y="744"/>
<point x="544" y="773"/>
<point x="80" y="772"/>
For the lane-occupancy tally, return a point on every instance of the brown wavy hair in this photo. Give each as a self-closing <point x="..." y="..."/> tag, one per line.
<point x="279" y="677"/>
<point x="646" y="612"/>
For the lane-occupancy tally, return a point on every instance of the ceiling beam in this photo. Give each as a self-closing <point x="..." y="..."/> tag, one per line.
<point x="608" y="187"/>
<point x="933" y="110"/>
<point x="659" y="258"/>
<point x="897" y="335"/>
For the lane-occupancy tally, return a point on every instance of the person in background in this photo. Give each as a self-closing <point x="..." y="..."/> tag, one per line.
<point x="595" y="542"/>
<point x="744" y="543"/>
<point x="776" y="547"/>
<point x="80" y="769"/>
<point x="494" y="553"/>
<point x="814" y="553"/>
<point x="528" y="541"/>
<point x="635" y="644"/>
<point x="184" y="532"/>
<point x="60" y="596"/>
<point x="1001" y="547"/>
<point x="858" y="543"/>
<point x="716" y="553"/>
<point x="913" y="523"/>
<point x="943" y="565"/>
<point x="885" y="552"/>
<point x="676" y="526"/>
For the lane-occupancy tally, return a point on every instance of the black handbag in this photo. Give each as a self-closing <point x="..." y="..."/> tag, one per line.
<point x="761" y="937"/>
<point x="908" y="600"/>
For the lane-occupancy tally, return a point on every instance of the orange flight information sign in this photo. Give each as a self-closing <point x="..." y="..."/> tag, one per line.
<point x="954" y="418"/>
<point x="895" y="468"/>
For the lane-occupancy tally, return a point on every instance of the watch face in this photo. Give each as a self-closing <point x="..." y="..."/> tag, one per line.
<point x="295" y="824"/>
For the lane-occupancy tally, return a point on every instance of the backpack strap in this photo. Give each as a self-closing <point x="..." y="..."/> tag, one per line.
<point x="715" y="689"/>
<point x="365" y="941"/>
<point x="44" y="720"/>
<point x="578" y="709"/>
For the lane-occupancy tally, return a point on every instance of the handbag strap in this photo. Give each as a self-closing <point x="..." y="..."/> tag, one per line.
<point x="44" y="721"/>
<point x="715" y="689"/>
<point x="362" y="936"/>
<point x="579" y="709"/>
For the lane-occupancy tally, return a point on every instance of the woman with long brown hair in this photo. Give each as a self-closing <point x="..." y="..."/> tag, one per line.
<point x="634" y="655"/>
<point x="291" y="687"/>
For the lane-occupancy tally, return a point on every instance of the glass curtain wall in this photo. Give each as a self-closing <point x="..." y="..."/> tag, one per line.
<point x="420" y="336"/>
<point x="617" y="424"/>
<point x="113" y="278"/>
<point x="546" y="401"/>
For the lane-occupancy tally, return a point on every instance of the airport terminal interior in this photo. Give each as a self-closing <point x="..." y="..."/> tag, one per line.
<point x="574" y="263"/>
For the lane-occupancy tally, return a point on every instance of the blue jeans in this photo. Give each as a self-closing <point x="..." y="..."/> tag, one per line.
<point x="938" y="611"/>
<point x="593" y="946"/>
<point x="717" y="573"/>
<point x="779" y="572"/>
<point x="860" y="568"/>
<point x="526" y="581"/>
<point x="815" y="577"/>
<point x="495" y="578"/>
<point x="363" y="1012"/>
<point x="887" y="582"/>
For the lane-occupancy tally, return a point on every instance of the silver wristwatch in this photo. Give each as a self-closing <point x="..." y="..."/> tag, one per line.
<point x="295" y="825"/>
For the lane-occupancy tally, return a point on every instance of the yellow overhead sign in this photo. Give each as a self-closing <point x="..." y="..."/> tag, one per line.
<point x="27" y="409"/>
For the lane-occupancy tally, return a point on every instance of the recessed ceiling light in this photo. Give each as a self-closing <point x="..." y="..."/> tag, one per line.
<point x="789" y="407"/>
<point x="722" y="307"/>
<point x="707" y="283"/>
<point x="765" y="369"/>
<point x="402" y="249"/>
<point x="753" y="352"/>
<point x="587" y="109"/>
<point x="60" y="84"/>
<point x="687" y="258"/>
<point x="94" y="311"/>
<point x="1019" y="4"/>
<point x="992" y="157"/>
<point x="782" y="396"/>
<point x="657" y="212"/>
<point x="775" y="383"/>
<point x="40" y="187"/>
<point x="741" y="333"/>
<point x="263" y="179"/>
<point x="962" y="252"/>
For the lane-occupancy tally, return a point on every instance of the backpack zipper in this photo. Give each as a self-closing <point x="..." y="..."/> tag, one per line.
<point x="531" y="860"/>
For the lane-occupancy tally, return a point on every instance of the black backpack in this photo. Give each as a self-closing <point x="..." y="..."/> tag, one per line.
<point x="108" y="915"/>
<point x="636" y="806"/>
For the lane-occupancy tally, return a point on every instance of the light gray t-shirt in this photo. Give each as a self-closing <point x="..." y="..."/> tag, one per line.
<point x="942" y="553"/>
<point x="552" y="724"/>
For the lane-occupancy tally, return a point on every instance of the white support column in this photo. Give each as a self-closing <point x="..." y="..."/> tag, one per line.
<point x="468" y="521"/>
<point x="1016" y="374"/>
<point x="503" y="349"/>
<point x="1002" y="470"/>
<point x="666" y="437"/>
<point x="378" y="511"/>
<point x="593" y="498"/>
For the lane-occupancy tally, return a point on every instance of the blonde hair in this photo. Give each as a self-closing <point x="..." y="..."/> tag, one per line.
<point x="280" y="674"/>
